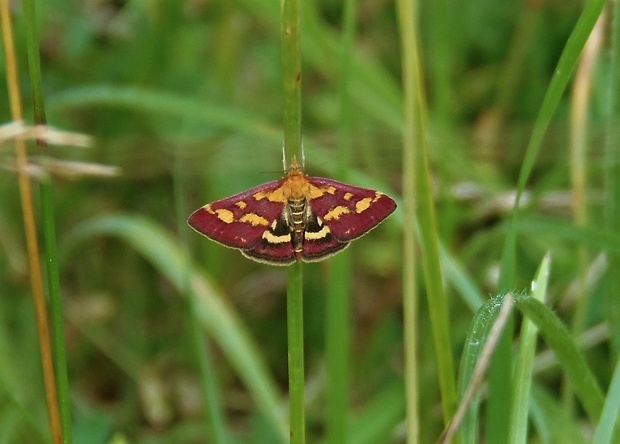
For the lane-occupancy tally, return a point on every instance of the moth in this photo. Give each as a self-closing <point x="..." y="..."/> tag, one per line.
<point x="293" y="219"/>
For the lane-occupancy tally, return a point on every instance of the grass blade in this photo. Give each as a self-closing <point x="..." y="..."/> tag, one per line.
<point x="49" y="229"/>
<point x="572" y="361"/>
<point x="415" y="133"/>
<point x="608" y="423"/>
<point x="469" y="394"/>
<point x="562" y="75"/>
<point x="525" y="361"/>
<point x="337" y="320"/>
<point x="57" y="409"/>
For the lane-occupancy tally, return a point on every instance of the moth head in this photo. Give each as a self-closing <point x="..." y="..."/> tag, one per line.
<point x="295" y="186"/>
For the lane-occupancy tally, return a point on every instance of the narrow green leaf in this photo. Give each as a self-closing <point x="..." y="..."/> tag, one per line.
<point x="338" y="330"/>
<point x="417" y="168"/>
<point x="561" y="76"/>
<point x="572" y="361"/>
<point x="477" y="334"/>
<point x="611" y="411"/>
<point x="525" y="361"/>
<point x="57" y="342"/>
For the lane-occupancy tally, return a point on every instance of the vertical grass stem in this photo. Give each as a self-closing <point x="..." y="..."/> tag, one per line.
<point x="294" y="313"/>
<point x="49" y="228"/>
<point x="416" y="142"/>
<point x="291" y="82"/>
<point x="51" y="391"/>
<point x="337" y="307"/>
<point x="410" y="296"/>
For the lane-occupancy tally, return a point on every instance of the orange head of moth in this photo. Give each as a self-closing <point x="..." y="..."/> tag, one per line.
<point x="295" y="186"/>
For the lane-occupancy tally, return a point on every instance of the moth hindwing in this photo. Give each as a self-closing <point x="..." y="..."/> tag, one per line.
<point x="295" y="218"/>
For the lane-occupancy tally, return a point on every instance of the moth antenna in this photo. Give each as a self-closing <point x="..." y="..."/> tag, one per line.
<point x="303" y="156"/>
<point x="285" y="167"/>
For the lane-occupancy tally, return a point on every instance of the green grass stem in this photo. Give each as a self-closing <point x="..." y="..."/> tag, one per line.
<point x="56" y="316"/>
<point x="416" y="126"/>
<point x="295" y="322"/>
<point x="411" y="138"/>
<point x="337" y="307"/>
<point x="440" y="57"/>
<point x="337" y="348"/>
<point x="58" y="415"/>
<point x="291" y="78"/>
<point x="49" y="230"/>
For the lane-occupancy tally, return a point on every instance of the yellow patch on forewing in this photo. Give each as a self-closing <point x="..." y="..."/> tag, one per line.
<point x="365" y="203"/>
<point x="241" y="205"/>
<point x="228" y="217"/>
<point x="316" y="192"/>
<point x="273" y="239"/>
<point x="348" y="196"/>
<point x="254" y="219"/>
<point x="276" y="195"/>
<point x="321" y="234"/>
<point x="336" y="212"/>
<point x="225" y="215"/>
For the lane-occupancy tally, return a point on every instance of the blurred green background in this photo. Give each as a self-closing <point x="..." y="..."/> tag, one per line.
<point x="185" y="98"/>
